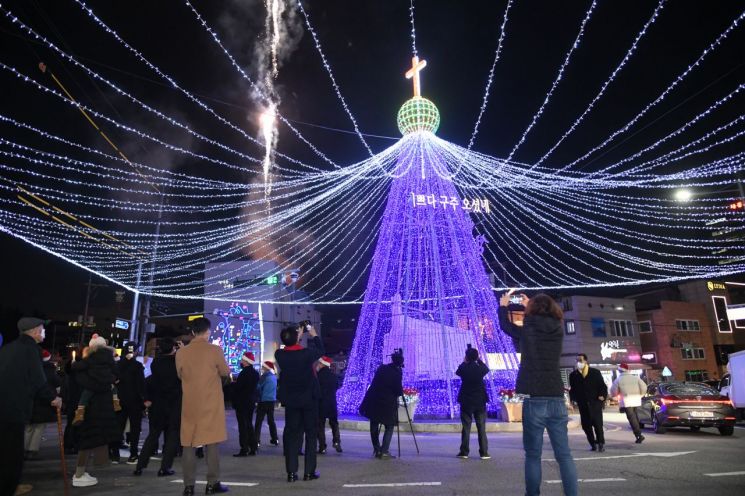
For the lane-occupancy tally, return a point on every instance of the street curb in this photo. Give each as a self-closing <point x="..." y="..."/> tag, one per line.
<point x="356" y="424"/>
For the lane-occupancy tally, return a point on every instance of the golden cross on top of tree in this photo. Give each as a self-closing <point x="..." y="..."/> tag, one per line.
<point x="416" y="66"/>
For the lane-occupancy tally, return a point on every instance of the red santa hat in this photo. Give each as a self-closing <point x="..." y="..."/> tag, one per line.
<point x="249" y="358"/>
<point x="325" y="361"/>
<point x="624" y="366"/>
<point x="269" y="366"/>
<point x="45" y="355"/>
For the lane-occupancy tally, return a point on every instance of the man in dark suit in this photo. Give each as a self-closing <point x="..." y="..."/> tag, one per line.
<point x="380" y="403"/>
<point x="588" y="389"/>
<point x="299" y="392"/>
<point x="472" y="398"/>
<point x="244" y="403"/>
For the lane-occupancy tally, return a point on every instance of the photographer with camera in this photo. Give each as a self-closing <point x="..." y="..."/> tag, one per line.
<point x="472" y="398"/>
<point x="380" y="403"/>
<point x="539" y="340"/>
<point x="299" y="392"/>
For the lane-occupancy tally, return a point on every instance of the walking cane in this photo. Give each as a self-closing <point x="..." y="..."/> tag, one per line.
<point x="62" y="449"/>
<point x="411" y="425"/>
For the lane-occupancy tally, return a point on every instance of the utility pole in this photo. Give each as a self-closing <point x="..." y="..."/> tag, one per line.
<point x="89" y="285"/>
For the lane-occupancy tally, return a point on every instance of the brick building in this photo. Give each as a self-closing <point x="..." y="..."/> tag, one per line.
<point x="678" y="335"/>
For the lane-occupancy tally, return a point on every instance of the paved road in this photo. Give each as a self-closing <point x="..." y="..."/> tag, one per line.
<point x="676" y="463"/>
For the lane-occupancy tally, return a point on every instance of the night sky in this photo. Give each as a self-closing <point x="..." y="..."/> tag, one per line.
<point x="369" y="48"/>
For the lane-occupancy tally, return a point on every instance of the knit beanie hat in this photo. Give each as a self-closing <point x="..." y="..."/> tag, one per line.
<point x="96" y="342"/>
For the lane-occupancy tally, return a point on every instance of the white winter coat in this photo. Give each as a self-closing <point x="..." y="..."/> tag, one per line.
<point x="630" y="387"/>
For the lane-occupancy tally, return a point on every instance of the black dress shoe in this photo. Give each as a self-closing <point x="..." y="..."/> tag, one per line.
<point x="291" y="477"/>
<point x="337" y="446"/>
<point x="138" y="471"/>
<point x="321" y="451"/>
<point x="241" y="454"/>
<point x="639" y="439"/>
<point x="189" y="491"/>
<point x="313" y="476"/>
<point x="593" y="447"/>
<point x="215" y="488"/>
<point x="166" y="472"/>
<point x="601" y="447"/>
<point x="274" y="442"/>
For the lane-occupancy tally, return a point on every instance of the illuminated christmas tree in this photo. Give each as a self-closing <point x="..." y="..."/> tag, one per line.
<point x="428" y="290"/>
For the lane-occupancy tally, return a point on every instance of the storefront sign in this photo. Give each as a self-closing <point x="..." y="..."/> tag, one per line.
<point x="715" y="286"/>
<point x="610" y="348"/>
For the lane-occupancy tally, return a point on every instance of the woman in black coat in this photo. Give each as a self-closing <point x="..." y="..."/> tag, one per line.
<point x="380" y="404"/>
<point x="96" y="373"/>
<point x="71" y="397"/>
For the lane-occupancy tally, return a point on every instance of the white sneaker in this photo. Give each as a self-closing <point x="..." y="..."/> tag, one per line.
<point x="84" y="480"/>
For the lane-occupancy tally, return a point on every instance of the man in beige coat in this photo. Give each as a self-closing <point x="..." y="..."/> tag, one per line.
<point x="630" y="388"/>
<point x="201" y="367"/>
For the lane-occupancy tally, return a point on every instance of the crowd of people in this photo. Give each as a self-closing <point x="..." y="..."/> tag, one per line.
<point x="106" y="397"/>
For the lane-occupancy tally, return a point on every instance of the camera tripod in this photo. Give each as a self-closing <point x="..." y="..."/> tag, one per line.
<point x="411" y="426"/>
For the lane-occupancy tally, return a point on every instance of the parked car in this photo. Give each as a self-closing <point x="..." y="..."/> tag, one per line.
<point x="686" y="404"/>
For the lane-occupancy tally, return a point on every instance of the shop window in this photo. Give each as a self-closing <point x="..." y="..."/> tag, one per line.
<point x="697" y="375"/>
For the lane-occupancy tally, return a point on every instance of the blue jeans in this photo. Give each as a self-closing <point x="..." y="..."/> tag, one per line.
<point x="547" y="413"/>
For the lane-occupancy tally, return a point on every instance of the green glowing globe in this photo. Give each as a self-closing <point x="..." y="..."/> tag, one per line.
<point x="418" y="114"/>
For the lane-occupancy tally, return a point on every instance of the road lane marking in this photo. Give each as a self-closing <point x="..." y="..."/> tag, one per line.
<point x="634" y="455"/>
<point x="395" y="484"/>
<point x="237" y="484"/>
<point x="725" y="474"/>
<point x="609" y="479"/>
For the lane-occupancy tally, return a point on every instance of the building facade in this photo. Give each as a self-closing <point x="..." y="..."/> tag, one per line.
<point x="678" y="335"/>
<point x="605" y="329"/>
<point x="239" y="322"/>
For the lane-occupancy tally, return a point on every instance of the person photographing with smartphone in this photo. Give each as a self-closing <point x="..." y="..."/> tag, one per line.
<point x="540" y="340"/>
<point x="299" y="392"/>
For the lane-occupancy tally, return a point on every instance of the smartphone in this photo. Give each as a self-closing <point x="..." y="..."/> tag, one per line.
<point x="516" y="299"/>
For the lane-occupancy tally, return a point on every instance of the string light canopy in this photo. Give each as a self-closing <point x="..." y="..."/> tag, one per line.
<point x="542" y="224"/>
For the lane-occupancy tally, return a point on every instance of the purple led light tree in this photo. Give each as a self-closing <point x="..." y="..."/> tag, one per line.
<point x="428" y="290"/>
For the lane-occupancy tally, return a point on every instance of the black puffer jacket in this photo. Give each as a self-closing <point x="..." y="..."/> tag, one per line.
<point x="539" y="341"/>
<point x="380" y="403"/>
<point x="472" y="395"/>
<point x="131" y="384"/>
<point x="43" y="412"/>
<point x="96" y="374"/>
<point x="329" y="383"/>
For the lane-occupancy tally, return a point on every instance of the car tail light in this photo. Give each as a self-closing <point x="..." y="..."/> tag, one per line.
<point x="672" y="417"/>
<point x="730" y="418"/>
